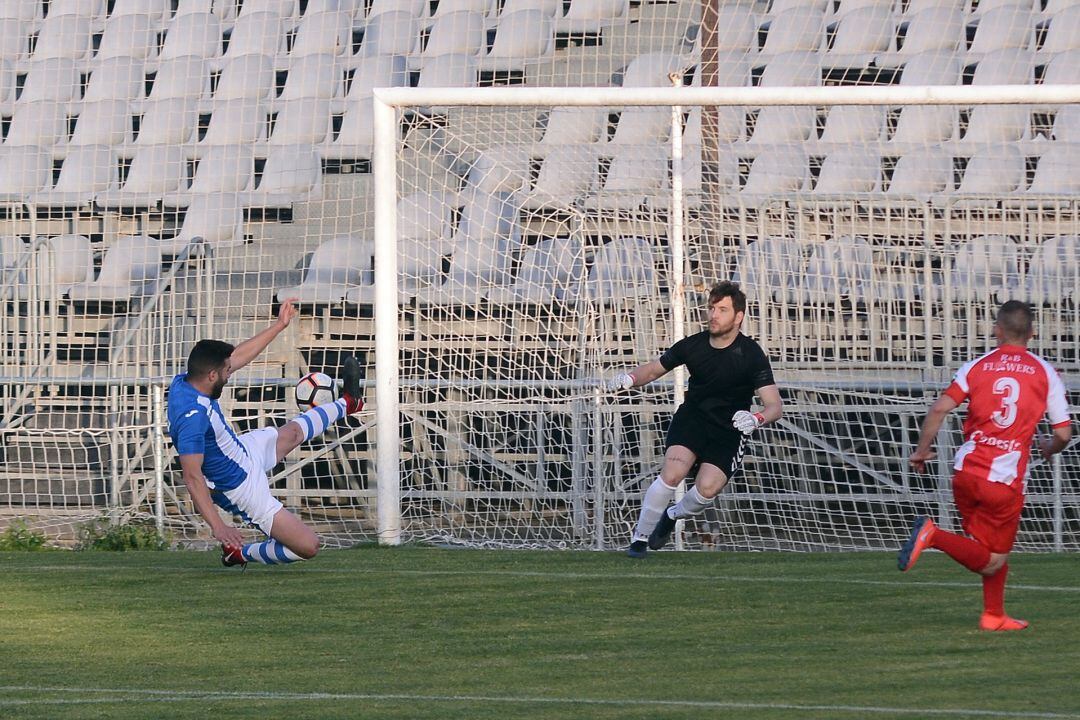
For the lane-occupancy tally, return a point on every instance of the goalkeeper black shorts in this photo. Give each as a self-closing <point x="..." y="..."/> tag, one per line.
<point x="711" y="443"/>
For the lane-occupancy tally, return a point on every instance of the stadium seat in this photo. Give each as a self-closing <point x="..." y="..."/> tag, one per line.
<point x="260" y="33"/>
<point x="172" y="121"/>
<point x="777" y="169"/>
<point x="460" y="33"/>
<point x="861" y="35"/>
<point x="116" y="78"/>
<point x="448" y="7"/>
<point x="157" y="10"/>
<point x="796" y="30"/>
<point x="222" y="169"/>
<point x="853" y="125"/>
<point x="352" y="8"/>
<point x="14" y="39"/>
<point x="919" y="125"/>
<point x="38" y="123"/>
<point x="550" y="272"/>
<point x="574" y="126"/>
<point x="196" y="35"/>
<point x="1063" y="33"/>
<point x="725" y="173"/>
<point x="1012" y="66"/>
<point x="216" y="219"/>
<point x="417" y="9"/>
<point x="287" y="10"/>
<point x="769" y="267"/>
<point x="82" y="8"/>
<point x="448" y="71"/>
<point x="642" y="126"/>
<point x="1063" y="69"/>
<point x="87" y="171"/>
<point x="236" y="122"/>
<point x="846" y="7"/>
<point x="1058" y="171"/>
<point x="934" y="67"/>
<point x="736" y="29"/>
<point x="551" y="8"/>
<point x="1010" y="26"/>
<point x="635" y="176"/>
<point x="853" y="169"/>
<point x="13" y="250"/>
<point x="775" y="125"/>
<point x="729" y="126"/>
<point x="7" y="88"/>
<point x="921" y="174"/>
<point x="794" y="69"/>
<point x="24" y="171"/>
<point x="996" y="170"/>
<point x="70" y="260"/>
<point x="336" y="266"/>
<point x="104" y="122"/>
<point x="838" y="270"/>
<point x="500" y="169"/>
<point x="484" y="247"/>
<point x="1054" y="271"/>
<point x="302" y="122"/>
<point x="935" y="29"/>
<point x="355" y="138"/>
<point x="292" y="174"/>
<point x="247" y="77"/>
<point x="64" y="36"/>
<point x="732" y="70"/>
<point x="129" y="36"/>
<point x="181" y="77"/>
<point x="1053" y="7"/>
<point x="585" y="17"/>
<point x="130" y="268"/>
<point x="997" y="124"/>
<point x="1067" y="124"/>
<point x="155" y="171"/>
<point x="777" y="7"/>
<point x="652" y="70"/>
<point x="27" y="11"/>
<point x="521" y="37"/>
<point x="567" y="173"/>
<point x="985" y="267"/>
<point x="624" y="268"/>
<point x="323" y="33"/>
<point x="391" y="33"/>
<point x="55" y="79"/>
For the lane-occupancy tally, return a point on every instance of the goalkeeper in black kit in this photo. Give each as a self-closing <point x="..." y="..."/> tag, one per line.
<point x="712" y="426"/>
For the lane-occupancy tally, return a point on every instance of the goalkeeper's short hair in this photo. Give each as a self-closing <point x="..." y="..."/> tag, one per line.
<point x="731" y="290"/>
<point x="207" y="356"/>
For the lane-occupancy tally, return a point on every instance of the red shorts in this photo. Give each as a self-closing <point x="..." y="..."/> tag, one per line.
<point x="989" y="511"/>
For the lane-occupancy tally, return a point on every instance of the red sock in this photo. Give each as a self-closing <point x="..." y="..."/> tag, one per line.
<point x="994" y="591"/>
<point x="968" y="553"/>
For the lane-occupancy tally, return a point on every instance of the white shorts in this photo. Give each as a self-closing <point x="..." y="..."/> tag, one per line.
<point x="252" y="500"/>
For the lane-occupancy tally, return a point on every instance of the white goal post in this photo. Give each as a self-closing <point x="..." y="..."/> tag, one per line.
<point x="880" y="365"/>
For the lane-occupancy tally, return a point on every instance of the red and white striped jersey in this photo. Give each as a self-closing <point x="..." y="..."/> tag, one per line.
<point x="1008" y="392"/>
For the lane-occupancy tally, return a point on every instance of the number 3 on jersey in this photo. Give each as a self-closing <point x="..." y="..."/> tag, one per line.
<point x="1009" y="389"/>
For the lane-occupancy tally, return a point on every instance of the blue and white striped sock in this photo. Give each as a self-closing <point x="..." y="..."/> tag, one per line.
<point x="316" y="420"/>
<point x="269" y="552"/>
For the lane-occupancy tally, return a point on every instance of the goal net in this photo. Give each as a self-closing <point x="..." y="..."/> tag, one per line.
<point x="535" y="241"/>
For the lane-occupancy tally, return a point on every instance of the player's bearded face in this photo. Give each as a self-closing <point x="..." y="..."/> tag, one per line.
<point x="219" y="381"/>
<point x="722" y="317"/>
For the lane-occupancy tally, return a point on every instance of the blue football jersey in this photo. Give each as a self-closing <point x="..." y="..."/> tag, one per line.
<point x="197" y="426"/>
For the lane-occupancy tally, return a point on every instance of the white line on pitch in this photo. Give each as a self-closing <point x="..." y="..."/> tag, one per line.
<point x="150" y="695"/>
<point x="831" y="580"/>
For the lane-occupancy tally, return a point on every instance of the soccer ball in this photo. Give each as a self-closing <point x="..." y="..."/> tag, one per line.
<point x="315" y="389"/>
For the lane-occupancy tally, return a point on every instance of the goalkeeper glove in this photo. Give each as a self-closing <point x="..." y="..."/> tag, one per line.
<point x="747" y="422"/>
<point x="622" y="381"/>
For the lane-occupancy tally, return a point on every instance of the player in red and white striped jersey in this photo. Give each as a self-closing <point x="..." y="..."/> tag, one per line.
<point x="1008" y="392"/>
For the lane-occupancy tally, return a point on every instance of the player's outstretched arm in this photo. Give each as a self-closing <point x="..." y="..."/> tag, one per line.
<point x="641" y="375"/>
<point x="248" y="350"/>
<point x="200" y="496"/>
<point x="924" y="451"/>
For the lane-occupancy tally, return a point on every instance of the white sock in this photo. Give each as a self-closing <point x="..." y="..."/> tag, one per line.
<point x="269" y="552"/>
<point x="692" y="503"/>
<point x="657" y="498"/>
<point x="315" y="421"/>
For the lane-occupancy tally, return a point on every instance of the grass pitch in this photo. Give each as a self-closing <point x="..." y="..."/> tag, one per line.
<point x="430" y="633"/>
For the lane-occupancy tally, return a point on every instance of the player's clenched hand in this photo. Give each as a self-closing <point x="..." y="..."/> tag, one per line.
<point x="287" y="312"/>
<point x="919" y="458"/>
<point x="229" y="536"/>
<point x="1046" y="447"/>
<point x="746" y="422"/>
<point x="622" y="381"/>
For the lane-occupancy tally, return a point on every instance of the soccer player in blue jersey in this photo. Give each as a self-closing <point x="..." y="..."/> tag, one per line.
<point x="229" y="470"/>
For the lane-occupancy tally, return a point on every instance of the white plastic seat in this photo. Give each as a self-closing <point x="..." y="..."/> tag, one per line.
<point x="1053" y="7"/>
<point x="776" y="170"/>
<point x="1011" y="26"/>
<point x="376" y="71"/>
<point x="995" y="170"/>
<point x="391" y="33"/>
<point x="1067" y="124"/>
<point x="592" y="16"/>
<point x="1012" y="66"/>
<point x="64" y="36"/>
<point x="794" y="69"/>
<point x="246" y="77"/>
<point x="336" y="266"/>
<point x="574" y="126"/>
<point x="936" y="29"/>
<point x="642" y="126"/>
<point x="448" y="7"/>
<point x="921" y="174"/>
<point x="920" y="125"/>
<point x="768" y="267"/>
<point x="172" y="121"/>
<point x="38" y="123"/>
<point x="732" y="70"/>
<point x="226" y="169"/>
<point x="460" y="33"/>
<point x="13" y="250"/>
<point x="796" y="30"/>
<point x="357" y="133"/>
<point x="448" y="71"/>
<point x="736" y="29"/>
<point x="81" y="8"/>
<point x="129" y="269"/>
<point x="302" y="122"/>
<point x="55" y="79"/>
<point x="998" y="124"/>
<point x="776" y="125"/>
<point x="323" y="33"/>
<point x="260" y="33"/>
<point x="550" y="8"/>
<point x="624" y="268"/>
<point x="236" y="122"/>
<point x="500" y="169"/>
<point x="1063" y="69"/>
<point x="7" y="87"/>
<point x="292" y="174"/>
<point x="24" y="171"/>
<point x="314" y="76"/>
<point x="838" y="269"/>
<point x="1064" y="32"/>
<point x="985" y="266"/>
<point x="133" y="36"/>
<point x="853" y="125"/>
<point x="105" y="122"/>
<point x="567" y="173"/>
<point x="935" y="67"/>
<point x="87" y="171"/>
<point x="846" y="7"/>
<point x="14" y="39"/>
<point x="1058" y="171"/>
<point x="1054" y="273"/>
<point x="116" y="78"/>
<point x="217" y="219"/>
<point x="652" y="70"/>
<point x="285" y="9"/>
<point x="914" y="7"/>
<point x="985" y="6"/>
<point x="202" y="7"/>
<point x="550" y="272"/>
<point x="635" y="176"/>
<point x="730" y="126"/>
<point x="181" y="77"/>
<point x="860" y="35"/>
<point x="195" y="34"/>
<point x="851" y="170"/>
<point x="521" y="37"/>
<point x="27" y="11"/>
<point x="68" y="260"/>
<point x="157" y="10"/>
<point x="725" y="173"/>
<point x="414" y="8"/>
<point x="156" y="171"/>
